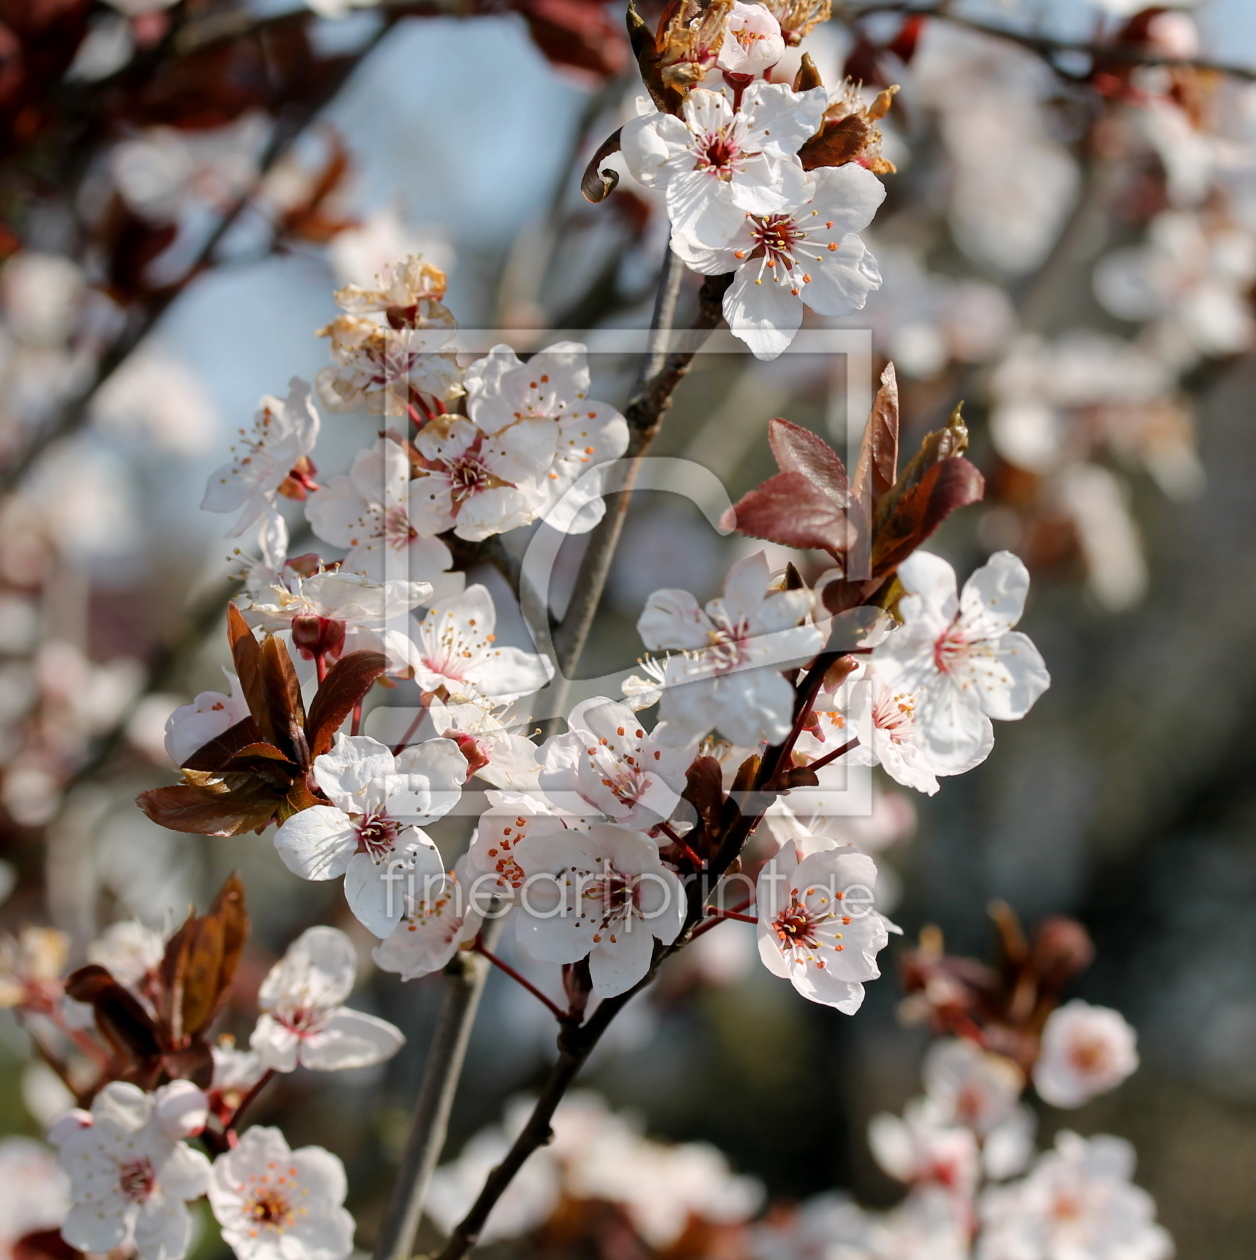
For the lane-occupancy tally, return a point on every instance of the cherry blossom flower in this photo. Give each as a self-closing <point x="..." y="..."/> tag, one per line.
<point x="331" y="610"/>
<point x="192" y="726"/>
<point x="730" y="676"/>
<point x="960" y="654"/>
<point x="439" y="920"/>
<point x="716" y="165"/>
<point x="752" y="40"/>
<point x="31" y="964"/>
<point x="969" y="1086"/>
<point x="918" y="1147"/>
<point x="130" y="1175"/>
<point x="36" y="1193"/>
<point x="454" y="648"/>
<point x="816" y="926"/>
<point x="495" y="752"/>
<point x="284" y="433"/>
<point x="402" y="291"/>
<point x="601" y="894"/>
<point x="501" y="828"/>
<point x="304" y="1021"/>
<point x="807" y="253"/>
<point x="553" y="385"/>
<point x="1086" y="1050"/>
<point x="932" y="1223"/>
<point x="368" y="512"/>
<point x="130" y="950"/>
<point x="377" y="367"/>
<point x="812" y="819"/>
<point x="370" y="833"/>
<point x="479" y="483"/>
<point x="235" y="1073"/>
<point x="1077" y="1201"/>
<point x="607" y="765"/>
<point x="274" y="1203"/>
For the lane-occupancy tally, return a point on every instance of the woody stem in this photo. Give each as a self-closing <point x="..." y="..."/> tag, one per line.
<point x="821" y="762"/>
<point x="247" y="1100"/>
<point x="464" y="984"/>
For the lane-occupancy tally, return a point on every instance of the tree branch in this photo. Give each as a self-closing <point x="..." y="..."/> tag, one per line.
<point x="1044" y="45"/>
<point x="465" y="977"/>
<point x="660" y="376"/>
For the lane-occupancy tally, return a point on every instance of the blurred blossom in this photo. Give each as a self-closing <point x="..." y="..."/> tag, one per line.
<point x="1011" y="184"/>
<point x="358" y="254"/>
<point x="34" y="1192"/>
<point x="44" y="1094"/>
<point x="155" y="400"/>
<point x="1097" y="505"/>
<point x="1192" y="278"/>
<point x="163" y="172"/>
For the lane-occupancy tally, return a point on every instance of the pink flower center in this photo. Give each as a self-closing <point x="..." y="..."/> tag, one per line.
<point x="377" y="834"/>
<point x="1089" y="1055"/>
<point x="136" y="1180"/>
<point x="398" y="532"/>
<point x="795" y="926"/>
<point x="951" y="648"/>
<point x="718" y="152"/>
<point x="726" y="645"/>
<point x="896" y="715"/>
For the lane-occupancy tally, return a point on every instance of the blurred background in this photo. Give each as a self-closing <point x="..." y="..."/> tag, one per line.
<point x="1068" y="245"/>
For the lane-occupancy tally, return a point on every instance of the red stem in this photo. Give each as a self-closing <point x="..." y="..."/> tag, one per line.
<point x="357" y="719"/>
<point x="716" y="916"/>
<point x="681" y="845"/>
<point x="556" y="1010"/>
<point x="821" y="762"/>
<point x="265" y="1080"/>
<point x="320" y="667"/>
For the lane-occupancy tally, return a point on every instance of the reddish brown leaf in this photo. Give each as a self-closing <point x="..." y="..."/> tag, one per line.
<point x="790" y="510"/>
<point x="45" y="1244"/>
<point x="246" y="652"/>
<point x="948" y="485"/>
<point x="806" y="505"/>
<point x="266" y="762"/>
<point x="577" y="34"/>
<point x="194" y="1063"/>
<point x="878" y="452"/>
<point x="839" y="140"/>
<point x="283" y="717"/>
<point x="704" y="790"/>
<point x="120" y="1018"/>
<point x="203" y="811"/>
<point x="214" y="944"/>
<point x="216" y="754"/>
<point x="348" y="680"/>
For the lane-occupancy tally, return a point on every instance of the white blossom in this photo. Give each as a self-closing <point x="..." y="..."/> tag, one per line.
<point x="752" y="40"/>
<point x="377" y="367"/>
<point x="601" y="894"/>
<point x="402" y="288"/>
<point x="284" y="433"/>
<point x="495" y="752"/>
<point x="34" y="1192"/>
<point x="606" y="764"/>
<point x="960" y="654"/>
<point x="304" y="1021"/>
<point x="969" y="1086"/>
<point x="1086" y="1050"/>
<point x="370" y="833"/>
<point x="1077" y="1202"/>
<point x="553" y="385"/>
<point x="735" y="648"/>
<point x="806" y="254"/>
<point x="440" y="918"/>
<point x="130" y="1175"/>
<point x="368" y="512"/>
<point x="715" y="165"/>
<point x="816" y="926"/>
<point x="274" y="1203"/>
<point x="455" y="648"/>
<point x="919" y="1148"/>
<point x="192" y="726"/>
<point x="128" y="950"/>
<point x="500" y="829"/>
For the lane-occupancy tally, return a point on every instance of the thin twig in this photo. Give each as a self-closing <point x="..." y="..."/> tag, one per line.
<point x="1046" y="46"/>
<point x="502" y="965"/>
<point x="644" y="413"/>
<point x="828" y="757"/>
<point x="464" y="984"/>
